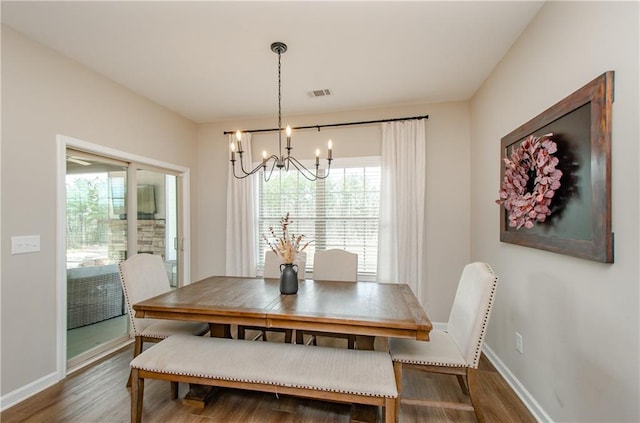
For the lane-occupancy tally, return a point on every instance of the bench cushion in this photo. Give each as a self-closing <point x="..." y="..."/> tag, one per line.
<point x="368" y="373"/>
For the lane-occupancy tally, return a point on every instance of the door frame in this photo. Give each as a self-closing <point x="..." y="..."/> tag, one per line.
<point x="184" y="227"/>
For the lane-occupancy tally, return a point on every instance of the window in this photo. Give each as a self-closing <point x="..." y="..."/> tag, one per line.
<point x="338" y="212"/>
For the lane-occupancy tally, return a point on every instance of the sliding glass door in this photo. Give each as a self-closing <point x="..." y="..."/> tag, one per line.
<point x="96" y="312"/>
<point x="113" y="209"/>
<point x="157" y="218"/>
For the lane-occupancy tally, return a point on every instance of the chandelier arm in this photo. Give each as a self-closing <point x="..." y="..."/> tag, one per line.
<point x="273" y="166"/>
<point x="242" y="166"/>
<point x="244" y="175"/>
<point x="304" y="171"/>
<point x="244" y="172"/>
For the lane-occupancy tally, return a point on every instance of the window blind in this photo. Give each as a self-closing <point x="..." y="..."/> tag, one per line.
<point x="341" y="211"/>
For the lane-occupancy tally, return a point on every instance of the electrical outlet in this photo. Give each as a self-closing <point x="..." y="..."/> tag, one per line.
<point x="519" y="346"/>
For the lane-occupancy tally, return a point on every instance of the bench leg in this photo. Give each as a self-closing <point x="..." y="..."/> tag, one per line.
<point x="137" y="394"/>
<point x="397" y="370"/>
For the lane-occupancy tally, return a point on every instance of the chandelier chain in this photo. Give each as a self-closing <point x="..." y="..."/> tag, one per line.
<point x="279" y="105"/>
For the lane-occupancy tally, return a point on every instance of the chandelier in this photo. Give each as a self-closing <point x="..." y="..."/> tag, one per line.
<point x="280" y="161"/>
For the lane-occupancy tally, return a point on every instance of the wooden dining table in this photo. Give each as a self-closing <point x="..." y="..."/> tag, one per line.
<point x="363" y="309"/>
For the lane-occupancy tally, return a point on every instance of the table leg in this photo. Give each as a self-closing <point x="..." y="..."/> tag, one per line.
<point x="219" y="330"/>
<point x="200" y="395"/>
<point x="365" y="342"/>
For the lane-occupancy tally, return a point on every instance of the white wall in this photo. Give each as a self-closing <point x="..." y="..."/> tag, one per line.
<point x="579" y="318"/>
<point x="448" y="175"/>
<point x="45" y="94"/>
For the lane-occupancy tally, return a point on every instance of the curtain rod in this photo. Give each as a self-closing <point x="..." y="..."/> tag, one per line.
<point x="366" y="122"/>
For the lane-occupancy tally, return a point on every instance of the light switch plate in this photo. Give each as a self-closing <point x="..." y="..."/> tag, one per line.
<point x="25" y="244"/>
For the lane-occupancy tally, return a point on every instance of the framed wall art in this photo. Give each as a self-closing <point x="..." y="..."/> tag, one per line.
<point x="555" y="176"/>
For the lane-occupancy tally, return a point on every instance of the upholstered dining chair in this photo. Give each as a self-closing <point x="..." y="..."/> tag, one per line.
<point x="272" y="271"/>
<point x="457" y="349"/>
<point x="144" y="276"/>
<point x="332" y="265"/>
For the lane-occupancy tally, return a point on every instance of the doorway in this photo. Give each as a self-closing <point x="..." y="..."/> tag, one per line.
<point x="114" y="208"/>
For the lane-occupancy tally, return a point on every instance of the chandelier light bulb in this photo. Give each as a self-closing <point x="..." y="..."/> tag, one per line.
<point x="233" y="152"/>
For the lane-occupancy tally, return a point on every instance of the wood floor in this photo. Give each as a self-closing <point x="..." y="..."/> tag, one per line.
<point x="98" y="395"/>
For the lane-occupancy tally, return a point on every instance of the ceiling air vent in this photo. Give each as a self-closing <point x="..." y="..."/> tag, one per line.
<point x="320" y="93"/>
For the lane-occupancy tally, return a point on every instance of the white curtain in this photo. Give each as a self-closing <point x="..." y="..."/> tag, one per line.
<point x="241" y="216"/>
<point x="402" y="205"/>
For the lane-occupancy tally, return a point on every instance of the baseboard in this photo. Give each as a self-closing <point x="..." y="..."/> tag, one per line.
<point x="24" y="392"/>
<point x="529" y="401"/>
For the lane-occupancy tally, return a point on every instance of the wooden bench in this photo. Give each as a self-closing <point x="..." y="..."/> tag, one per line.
<point x="331" y="374"/>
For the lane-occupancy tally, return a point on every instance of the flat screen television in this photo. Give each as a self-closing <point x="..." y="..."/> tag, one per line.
<point x="147" y="207"/>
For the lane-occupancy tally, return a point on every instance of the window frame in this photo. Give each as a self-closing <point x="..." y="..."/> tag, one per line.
<point x="261" y="221"/>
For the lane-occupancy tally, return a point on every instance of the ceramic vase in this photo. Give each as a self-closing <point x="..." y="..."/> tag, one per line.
<point x="288" y="278"/>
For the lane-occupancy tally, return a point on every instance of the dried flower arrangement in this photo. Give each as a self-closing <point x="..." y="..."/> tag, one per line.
<point x="286" y="246"/>
<point x="527" y="201"/>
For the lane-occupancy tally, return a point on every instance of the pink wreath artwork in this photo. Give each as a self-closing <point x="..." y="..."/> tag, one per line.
<point x="528" y="202"/>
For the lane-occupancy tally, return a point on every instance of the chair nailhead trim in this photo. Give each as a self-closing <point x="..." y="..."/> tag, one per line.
<point x="485" y="320"/>
<point x="126" y="298"/>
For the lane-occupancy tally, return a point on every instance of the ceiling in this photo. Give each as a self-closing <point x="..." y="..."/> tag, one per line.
<point x="211" y="60"/>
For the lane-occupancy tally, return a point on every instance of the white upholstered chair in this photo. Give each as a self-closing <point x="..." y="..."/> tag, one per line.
<point x="335" y="265"/>
<point x="332" y="265"/>
<point x="272" y="271"/>
<point x="457" y="349"/>
<point x="144" y="276"/>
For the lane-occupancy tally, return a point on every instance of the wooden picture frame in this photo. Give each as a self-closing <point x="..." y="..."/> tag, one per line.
<point x="580" y="221"/>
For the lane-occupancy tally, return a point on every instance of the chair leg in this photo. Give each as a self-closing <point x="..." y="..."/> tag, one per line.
<point x="299" y="337"/>
<point x="240" y="332"/>
<point x="351" y="342"/>
<point x="137" y="394"/>
<point x="390" y="412"/>
<point x="472" y="380"/>
<point x="137" y="349"/>
<point x="288" y="336"/>
<point x="397" y="370"/>
<point x="463" y="385"/>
